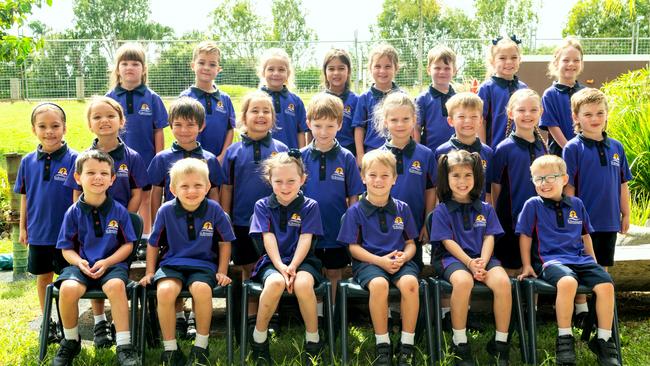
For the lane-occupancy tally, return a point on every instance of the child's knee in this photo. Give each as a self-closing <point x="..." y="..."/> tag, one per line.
<point x="201" y="289"/>
<point x="114" y="286"/>
<point x="604" y="290"/>
<point x="275" y="283"/>
<point x="304" y="284"/>
<point x="462" y="281"/>
<point x="567" y="283"/>
<point x="378" y="286"/>
<point x="167" y="291"/>
<point x="408" y="285"/>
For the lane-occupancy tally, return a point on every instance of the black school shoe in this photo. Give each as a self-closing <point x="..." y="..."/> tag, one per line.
<point x="127" y="356"/>
<point x="406" y="356"/>
<point x="198" y="356"/>
<point x="383" y="354"/>
<point x="500" y="352"/>
<point x="463" y="353"/>
<point x="173" y="358"/>
<point x="261" y="354"/>
<point x="605" y="351"/>
<point x="68" y="350"/>
<point x="313" y="353"/>
<point x="565" y="350"/>
<point x="103" y="337"/>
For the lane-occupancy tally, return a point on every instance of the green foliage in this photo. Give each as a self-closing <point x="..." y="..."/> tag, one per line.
<point x="234" y="21"/>
<point x="13" y="13"/>
<point x="608" y="18"/>
<point x="290" y="30"/>
<point x="308" y="78"/>
<point x="496" y="17"/>
<point x="171" y="73"/>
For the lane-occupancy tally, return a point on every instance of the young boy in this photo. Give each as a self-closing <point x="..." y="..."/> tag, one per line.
<point x="40" y="178"/>
<point x="220" y="114"/>
<point x="333" y="180"/>
<point x="564" y="257"/>
<point x="192" y="234"/>
<point x="380" y="231"/>
<point x="432" y="129"/>
<point x="96" y="239"/>
<point x="187" y="120"/>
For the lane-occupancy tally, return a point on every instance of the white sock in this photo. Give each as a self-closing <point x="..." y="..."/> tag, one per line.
<point x="180" y="314"/>
<point x="501" y="336"/>
<point x="408" y="338"/>
<point x="581" y="308"/>
<point x="564" y="331"/>
<point x="319" y="309"/>
<point x="145" y="237"/>
<point x="170" y="345"/>
<point x="71" y="334"/>
<point x="123" y="338"/>
<point x="260" y="336"/>
<point x="191" y="316"/>
<point x="312" y="337"/>
<point x="99" y="318"/>
<point x="604" y="334"/>
<point x="201" y="340"/>
<point x="459" y="336"/>
<point x="382" y="338"/>
<point x="445" y="311"/>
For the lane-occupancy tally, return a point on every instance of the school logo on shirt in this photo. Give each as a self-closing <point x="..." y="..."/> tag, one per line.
<point x="295" y="220"/>
<point x="61" y="175"/>
<point x="220" y="107"/>
<point x="291" y="109"/>
<point x="206" y="229"/>
<point x="484" y="162"/>
<point x="338" y="174"/>
<point x="416" y="168"/>
<point x="573" y="218"/>
<point x="480" y="221"/>
<point x="616" y="160"/>
<point x="123" y="170"/>
<point x="347" y="110"/>
<point x="398" y="224"/>
<point x="273" y="153"/>
<point x="145" y="110"/>
<point x="112" y="227"/>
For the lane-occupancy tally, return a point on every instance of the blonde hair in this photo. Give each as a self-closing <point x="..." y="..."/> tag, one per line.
<point x="128" y="52"/>
<point x="383" y="157"/>
<point x="276" y="54"/>
<point x="465" y="100"/>
<point x="390" y="102"/>
<point x="341" y="55"/>
<point x="106" y="100"/>
<point x="246" y="102"/>
<point x="279" y="160"/>
<point x="208" y="47"/>
<point x="583" y="97"/>
<point x="441" y="53"/>
<point x="493" y="50"/>
<point x="569" y="42"/>
<point x="517" y="97"/>
<point x="188" y="166"/>
<point x="325" y="106"/>
<point x="383" y="50"/>
<point x="548" y="161"/>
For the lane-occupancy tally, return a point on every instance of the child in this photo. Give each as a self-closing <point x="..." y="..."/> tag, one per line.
<point x="383" y="64"/>
<point x="511" y="184"/>
<point x="556" y="100"/>
<point x="220" y="114"/>
<point x="106" y="120"/>
<point x="286" y="221"/>
<point x="96" y="238"/>
<point x="464" y="115"/>
<point x="467" y="227"/>
<point x="380" y="230"/>
<point x="504" y="56"/>
<point x="564" y="257"/>
<point x="192" y="234"/>
<point x="333" y="180"/>
<point x="276" y="76"/>
<point x="432" y="129"/>
<point x="337" y="69"/>
<point x="395" y="118"/>
<point x="44" y="199"/>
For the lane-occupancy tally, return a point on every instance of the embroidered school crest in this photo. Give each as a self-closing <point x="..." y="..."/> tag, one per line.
<point x="347" y="110"/>
<point x="112" y="227"/>
<point x="61" y="175"/>
<point x="480" y="221"/>
<point x="123" y="170"/>
<point x="616" y="160"/>
<point x="206" y="229"/>
<point x="573" y="218"/>
<point x="295" y="220"/>
<point x="338" y="174"/>
<point x="219" y="106"/>
<point x="145" y="110"/>
<point x="398" y="223"/>
<point x="291" y="109"/>
<point x="484" y="163"/>
<point x="416" y="167"/>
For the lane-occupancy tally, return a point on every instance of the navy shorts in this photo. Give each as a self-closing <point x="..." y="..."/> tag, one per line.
<point x="604" y="245"/>
<point x="74" y="273"/>
<point x="589" y="274"/>
<point x="187" y="275"/>
<point x="310" y="264"/>
<point x="457" y="266"/>
<point x="333" y="258"/>
<point x="44" y="259"/>
<point x="365" y="272"/>
<point x="243" y="249"/>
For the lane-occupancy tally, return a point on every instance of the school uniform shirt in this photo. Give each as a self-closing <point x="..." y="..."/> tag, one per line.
<point x="161" y="164"/>
<point x="290" y="116"/>
<point x="495" y="93"/>
<point x="465" y="223"/>
<point x="190" y="238"/>
<point x="96" y="233"/>
<point x="144" y="111"/>
<point x="379" y="230"/>
<point x="242" y="168"/>
<point x="556" y="102"/>
<point x="486" y="153"/>
<point x="511" y="169"/>
<point x="559" y="227"/>
<point x="363" y="116"/>
<point x="130" y="173"/>
<point x="41" y="177"/>
<point x="332" y="177"/>
<point x="345" y="136"/>
<point x="416" y="172"/>
<point x="219" y="117"/>
<point x="432" y="117"/>
<point x="287" y="223"/>
<point x="597" y="169"/>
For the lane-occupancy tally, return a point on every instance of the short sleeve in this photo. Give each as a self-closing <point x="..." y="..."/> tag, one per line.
<point x="484" y="94"/>
<point x="441" y="228"/>
<point x="126" y="227"/>
<point x="158" y="228"/>
<point x="550" y="117"/>
<point x="420" y="102"/>
<point x="526" y="219"/>
<point x="312" y="223"/>
<point x="432" y="170"/>
<point x="360" y="118"/>
<point x="232" y="117"/>
<point x="350" y="228"/>
<point x="586" y="222"/>
<point x="570" y="156"/>
<point x="69" y="230"/>
<point x="156" y="171"/>
<point x="410" y="230"/>
<point x="354" y="184"/>
<point x="301" y="115"/>
<point x="70" y="182"/>
<point x="138" y="172"/>
<point x="626" y="174"/>
<point x="228" y="168"/>
<point x="216" y="174"/>
<point x="161" y="119"/>
<point x="499" y="163"/>
<point x="222" y="223"/>
<point x="493" y="224"/>
<point x="261" y="220"/>
<point x="20" y="186"/>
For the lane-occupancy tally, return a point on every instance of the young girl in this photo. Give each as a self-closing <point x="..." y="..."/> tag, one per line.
<point x="337" y="68"/>
<point x="556" y="100"/>
<point x="286" y="221"/>
<point x="395" y="119"/>
<point x="276" y="76"/>
<point x="106" y="120"/>
<point x="467" y="227"/>
<point x="504" y="56"/>
<point x="383" y="64"/>
<point x="511" y="184"/>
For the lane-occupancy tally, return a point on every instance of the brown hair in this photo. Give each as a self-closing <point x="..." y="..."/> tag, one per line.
<point x="324" y="105"/>
<point x="441" y="53"/>
<point x="189" y="109"/>
<point x="279" y="160"/>
<point x="586" y="96"/>
<point x="341" y="55"/>
<point x="383" y="157"/>
<point x="466" y="100"/>
<point x="568" y="42"/>
<point x="128" y="52"/>
<point x="95" y="155"/>
<point x="209" y="47"/>
<point x="246" y="102"/>
<point x="391" y="101"/>
<point x="517" y="96"/>
<point x="383" y="50"/>
<point x="456" y="158"/>
<point x="45" y="107"/>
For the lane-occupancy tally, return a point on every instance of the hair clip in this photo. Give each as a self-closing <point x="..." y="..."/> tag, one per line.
<point x="496" y="40"/>
<point x="515" y="39"/>
<point x="295" y="153"/>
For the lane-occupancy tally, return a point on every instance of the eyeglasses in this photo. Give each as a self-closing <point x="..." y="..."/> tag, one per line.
<point x="550" y="179"/>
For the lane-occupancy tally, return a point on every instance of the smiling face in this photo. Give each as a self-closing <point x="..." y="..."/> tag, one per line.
<point x="49" y="128"/>
<point x="592" y="119"/>
<point x="461" y="182"/>
<point x="379" y="179"/>
<point x="185" y="131"/>
<point x="549" y="182"/>
<point x="337" y="74"/>
<point x="400" y="122"/>
<point x="130" y="72"/>
<point x="383" y="71"/>
<point x="104" y="120"/>
<point x="206" y="67"/>
<point x="190" y="189"/>
<point x="324" y="131"/>
<point x="466" y="122"/>
<point x="526" y="113"/>
<point x="258" y="118"/>
<point x="441" y="74"/>
<point x="506" y="62"/>
<point x="286" y="182"/>
<point x="568" y="65"/>
<point x="276" y="73"/>
<point x="95" y="177"/>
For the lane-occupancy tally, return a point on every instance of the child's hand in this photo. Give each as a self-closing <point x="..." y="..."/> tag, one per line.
<point x="388" y="262"/>
<point x="400" y="258"/>
<point x="99" y="269"/>
<point x="22" y="237"/>
<point x="291" y="271"/>
<point x="85" y="269"/>
<point x="223" y="280"/>
<point x="625" y="224"/>
<point x="527" y="271"/>
<point x="146" y="280"/>
<point x="424" y="236"/>
<point x="287" y="278"/>
<point x="480" y="275"/>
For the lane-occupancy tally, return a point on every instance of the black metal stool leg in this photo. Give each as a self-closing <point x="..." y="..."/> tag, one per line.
<point x="532" y="325"/>
<point x="428" y="320"/>
<point x="229" y="323"/>
<point x="45" y="326"/>
<point x="523" y="345"/>
<point x="244" y="324"/>
<point x="344" y="323"/>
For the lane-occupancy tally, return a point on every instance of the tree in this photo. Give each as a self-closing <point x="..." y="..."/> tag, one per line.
<point x="290" y="30"/>
<point x="13" y="14"/>
<point x="608" y="18"/>
<point x="238" y="29"/>
<point x="496" y="17"/>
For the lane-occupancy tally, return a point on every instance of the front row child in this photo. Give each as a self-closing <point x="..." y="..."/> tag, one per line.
<point x="286" y="222"/>
<point x="466" y="227"/>
<point x="381" y="231"/>
<point x="192" y="235"/>
<point x="564" y="257"/>
<point x="96" y="239"/>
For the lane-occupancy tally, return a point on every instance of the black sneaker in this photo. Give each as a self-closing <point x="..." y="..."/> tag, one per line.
<point x="191" y="329"/>
<point x="53" y="335"/>
<point x="198" y="356"/>
<point x="580" y="319"/>
<point x="68" y="350"/>
<point x="313" y="351"/>
<point x="406" y="355"/>
<point x="261" y="353"/>
<point x="127" y="356"/>
<point x="463" y="353"/>
<point x="500" y="352"/>
<point x="103" y="338"/>
<point x="181" y="328"/>
<point x="383" y="354"/>
<point x="565" y="350"/>
<point x="172" y="358"/>
<point x="605" y="351"/>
